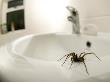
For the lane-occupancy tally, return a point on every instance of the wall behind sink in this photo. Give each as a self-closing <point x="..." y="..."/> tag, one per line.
<point x="51" y="15"/>
<point x="44" y="16"/>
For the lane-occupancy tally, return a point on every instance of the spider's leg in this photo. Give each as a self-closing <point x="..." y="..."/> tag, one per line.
<point x="86" y="67"/>
<point x="62" y="57"/>
<point x="91" y="53"/>
<point x="66" y="59"/>
<point x="81" y="54"/>
<point x="96" y="56"/>
<point x="71" y="62"/>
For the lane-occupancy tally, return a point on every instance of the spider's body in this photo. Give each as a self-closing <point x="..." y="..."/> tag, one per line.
<point x="78" y="59"/>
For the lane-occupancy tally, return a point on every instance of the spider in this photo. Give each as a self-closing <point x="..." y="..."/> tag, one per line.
<point x="78" y="59"/>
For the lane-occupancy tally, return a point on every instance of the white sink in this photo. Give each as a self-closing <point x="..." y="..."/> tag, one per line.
<point x="35" y="58"/>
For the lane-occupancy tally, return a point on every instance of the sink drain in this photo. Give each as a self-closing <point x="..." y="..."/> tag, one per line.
<point x="88" y="44"/>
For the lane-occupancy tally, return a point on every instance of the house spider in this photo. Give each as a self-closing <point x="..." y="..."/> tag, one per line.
<point x="78" y="59"/>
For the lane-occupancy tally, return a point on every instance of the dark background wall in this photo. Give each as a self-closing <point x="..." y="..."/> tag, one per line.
<point x="17" y="18"/>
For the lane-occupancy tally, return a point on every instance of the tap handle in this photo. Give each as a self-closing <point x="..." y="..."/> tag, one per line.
<point x="72" y="10"/>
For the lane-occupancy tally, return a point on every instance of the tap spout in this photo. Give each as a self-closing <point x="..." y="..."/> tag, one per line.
<point x="74" y="18"/>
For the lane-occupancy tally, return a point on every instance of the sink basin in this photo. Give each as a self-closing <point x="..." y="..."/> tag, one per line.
<point x="35" y="58"/>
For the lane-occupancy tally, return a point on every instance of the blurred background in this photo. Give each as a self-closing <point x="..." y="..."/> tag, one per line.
<point x="22" y="17"/>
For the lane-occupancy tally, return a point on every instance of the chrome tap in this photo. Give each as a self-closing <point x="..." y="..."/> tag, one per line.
<point x="74" y="18"/>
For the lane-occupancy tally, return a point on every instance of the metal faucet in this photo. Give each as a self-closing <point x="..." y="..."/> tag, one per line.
<point x="74" y="18"/>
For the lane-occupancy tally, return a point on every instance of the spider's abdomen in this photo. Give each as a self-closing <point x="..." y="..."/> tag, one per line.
<point x="81" y="59"/>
